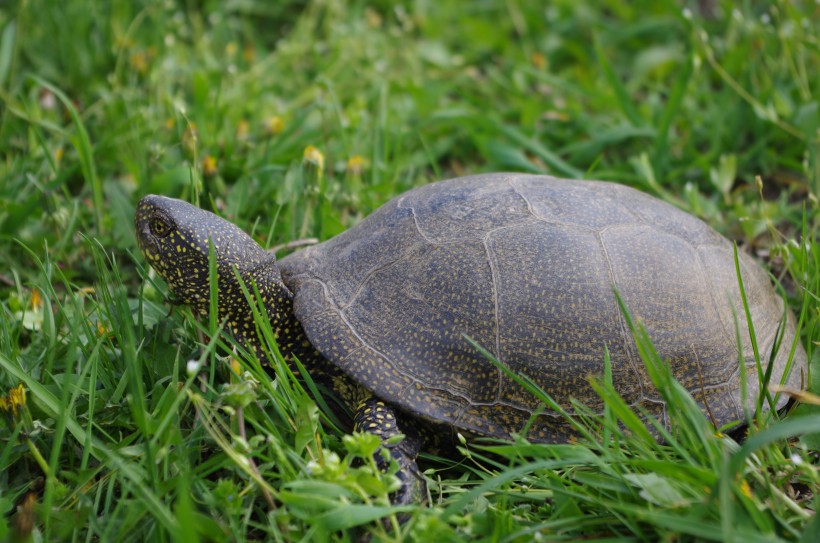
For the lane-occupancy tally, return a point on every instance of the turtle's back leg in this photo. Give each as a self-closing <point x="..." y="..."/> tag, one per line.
<point x="376" y="417"/>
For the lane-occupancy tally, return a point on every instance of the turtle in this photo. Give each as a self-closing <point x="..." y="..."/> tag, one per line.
<point x="530" y="267"/>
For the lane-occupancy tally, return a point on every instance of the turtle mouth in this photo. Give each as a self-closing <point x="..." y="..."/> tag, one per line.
<point x="145" y="239"/>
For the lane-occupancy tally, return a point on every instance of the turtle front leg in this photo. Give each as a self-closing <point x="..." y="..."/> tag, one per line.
<point x="376" y="417"/>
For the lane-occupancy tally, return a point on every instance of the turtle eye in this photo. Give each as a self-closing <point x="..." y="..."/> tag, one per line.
<point x="159" y="227"/>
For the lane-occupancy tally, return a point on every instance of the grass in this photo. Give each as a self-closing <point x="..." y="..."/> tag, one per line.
<point x="131" y="429"/>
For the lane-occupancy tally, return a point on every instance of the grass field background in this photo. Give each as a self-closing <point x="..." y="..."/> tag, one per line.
<point x="296" y="120"/>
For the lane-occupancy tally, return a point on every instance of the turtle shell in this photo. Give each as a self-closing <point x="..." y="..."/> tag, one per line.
<point x="527" y="266"/>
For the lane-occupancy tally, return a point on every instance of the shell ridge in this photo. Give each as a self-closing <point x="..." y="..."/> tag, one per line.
<point x="631" y="356"/>
<point x="616" y="192"/>
<point x="366" y="279"/>
<point x="553" y="222"/>
<point x="701" y="385"/>
<point x="364" y="344"/>
<point x="642" y="222"/>
<point x="496" y="314"/>
<point x="416" y="222"/>
<point x="511" y="182"/>
<point x="447" y="391"/>
<point x="705" y="388"/>
<point x="712" y="294"/>
<point x="325" y="292"/>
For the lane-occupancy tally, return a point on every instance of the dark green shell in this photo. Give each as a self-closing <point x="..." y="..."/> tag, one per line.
<point x="525" y="266"/>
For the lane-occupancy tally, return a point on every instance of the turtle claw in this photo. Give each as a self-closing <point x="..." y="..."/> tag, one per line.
<point x="376" y="417"/>
<point x="413" y="489"/>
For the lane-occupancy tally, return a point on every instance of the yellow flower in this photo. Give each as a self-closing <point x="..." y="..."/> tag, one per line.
<point x="208" y="166"/>
<point x="314" y="156"/>
<point x="242" y="130"/>
<point x="374" y="20"/>
<point x="139" y="61"/>
<point x="231" y="49"/>
<point x="15" y="400"/>
<point x="124" y="42"/>
<point x="101" y="329"/>
<point x="248" y="53"/>
<point x="190" y="137"/>
<point x="36" y="300"/>
<point x="745" y="488"/>
<point x="539" y="60"/>
<point x="274" y="125"/>
<point x="356" y="164"/>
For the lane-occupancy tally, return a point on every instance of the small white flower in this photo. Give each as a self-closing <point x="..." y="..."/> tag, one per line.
<point x="192" y="367"/>
<point x="796" y="459"/>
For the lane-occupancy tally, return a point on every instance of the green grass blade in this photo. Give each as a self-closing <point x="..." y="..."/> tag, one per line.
<point x="670" y="112"/>
<point x="549" y="157"/>
<point x="98" y="449"/>
<point x="764" y="395"/>
<point x="82" y="143"/>
<point x="7" y="51"/>
<point x="622" y="97"/>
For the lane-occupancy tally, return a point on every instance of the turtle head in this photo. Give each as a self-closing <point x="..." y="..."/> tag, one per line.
<point x="175" y="238"/>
